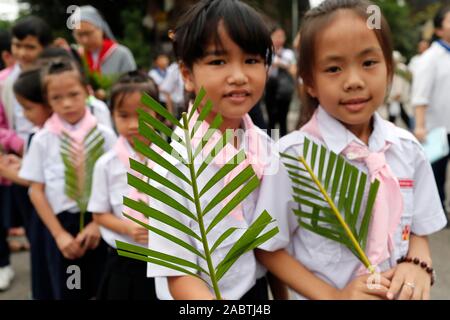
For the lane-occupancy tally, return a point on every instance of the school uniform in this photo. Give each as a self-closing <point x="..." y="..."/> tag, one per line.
<point x="431" y="87"/>
<point x="100" y="111"/>
<point x="245" y="279"/>
<point x="124" y="278"/>
<point x="43" y="164"/>
<point x="329" y="260"/>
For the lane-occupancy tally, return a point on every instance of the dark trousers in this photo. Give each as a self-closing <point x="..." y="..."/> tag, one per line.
<point x="440" y="172"/>
<point x="258" y="292"/>
<point x="62" y="271"/>
<point x="4" y="217"/>
<point x="40" y="277"/>
<point x="126" y="279"/>
<point x="22" y="206"/>
<point x="277" y="108"/>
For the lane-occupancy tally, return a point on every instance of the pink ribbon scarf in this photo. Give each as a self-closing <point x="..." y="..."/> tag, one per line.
<point x="122" y="149"/>
<point x="85" y="125"/>
<point x="388" y="205"/>
<point x="253" y="155"/>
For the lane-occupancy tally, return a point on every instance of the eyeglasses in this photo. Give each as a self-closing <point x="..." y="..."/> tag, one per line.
<point x="82" y="34"/>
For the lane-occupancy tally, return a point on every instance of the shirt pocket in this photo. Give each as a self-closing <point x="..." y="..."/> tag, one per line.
<point x="404" y="231"/>
<point x="321" y="251"/>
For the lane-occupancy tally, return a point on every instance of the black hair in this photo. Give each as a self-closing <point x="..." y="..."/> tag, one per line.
<point x="130" y="82"/>
<point x="51" y="53"/>
<point x="33" y="26"/>
<point x="57" y="66"/>
<point x="5" y="45"/>
<point x="440" y="16"/>
<point x="198" y="27"/>
<point x="28" y="85"/>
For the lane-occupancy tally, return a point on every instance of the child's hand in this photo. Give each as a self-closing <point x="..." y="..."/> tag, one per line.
<point x="410" y="282"/>
<point x="69" y="248"/>
<point x="90" y="237"/>
<point x="137" y="233"/>
<point x="362" y="288"/>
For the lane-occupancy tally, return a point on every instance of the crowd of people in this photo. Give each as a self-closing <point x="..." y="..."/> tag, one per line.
<point x="51" y="105"/>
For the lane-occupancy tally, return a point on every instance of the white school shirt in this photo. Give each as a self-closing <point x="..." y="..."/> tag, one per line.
<point x="21" y="124"/>
<point x="43" y="164"/>
<point x="329" y="260"/>
<point x="243" y="274"/>
<point x="431" y="86"/>
<point x="110" y="181"/>
<point x="173" y="84"/>
<point x="100" y="111"/>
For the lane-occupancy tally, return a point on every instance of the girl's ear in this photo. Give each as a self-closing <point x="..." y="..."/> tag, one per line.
<point x="311" y="91"/>
<point x="188" y="79"/>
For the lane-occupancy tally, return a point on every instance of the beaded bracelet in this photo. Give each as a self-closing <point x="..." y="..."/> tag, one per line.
<point x="422" y="264"/>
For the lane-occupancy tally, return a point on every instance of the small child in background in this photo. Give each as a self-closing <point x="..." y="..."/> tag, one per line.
<point x="97" y="107"/>
<point x="27" y="89"/>
<point x="124" y="278"/>
<point x="64" y="89"/>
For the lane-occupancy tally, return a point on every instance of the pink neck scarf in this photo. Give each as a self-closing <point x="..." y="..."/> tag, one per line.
<point x="388" y="205"/>
<point x="84" y="126"/>
<point x="253" y="154"/>
<point x="124" y="153"/>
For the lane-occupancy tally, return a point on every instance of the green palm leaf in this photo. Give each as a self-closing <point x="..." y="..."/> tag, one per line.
<point x="246" y="182"/>
<point x="79" y="161"/>
<point x="329" y="192"/>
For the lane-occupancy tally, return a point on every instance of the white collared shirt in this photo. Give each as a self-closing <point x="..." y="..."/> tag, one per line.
<point x="431" y="86"/>
<point x="43" y="164"/>
<point x="242" y="275"/>
<point x="110" y="181"/>
<point x="21" y="125"/>
<point x="327" y="259"/>
<point x="100" y="111"/>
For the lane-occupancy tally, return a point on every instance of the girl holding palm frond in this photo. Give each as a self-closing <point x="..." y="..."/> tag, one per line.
<point x="123" y="278"/>
<point x="59" y="165"/>
<point x="225" y="48"/>
<point x="347" y="68"/>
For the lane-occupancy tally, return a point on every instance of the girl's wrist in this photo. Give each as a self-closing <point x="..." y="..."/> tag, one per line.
<point x="424" y="264"/>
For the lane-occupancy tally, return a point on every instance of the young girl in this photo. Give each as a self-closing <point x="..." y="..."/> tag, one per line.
<point x="347" y="68"/>
<point x="124" y="278"/>
<point x="225" y="48"/>
<point x="75" y="259"/>
<point x="27" y="89"/>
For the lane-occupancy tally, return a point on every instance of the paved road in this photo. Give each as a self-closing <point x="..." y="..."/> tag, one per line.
<point x="440" y="246"/>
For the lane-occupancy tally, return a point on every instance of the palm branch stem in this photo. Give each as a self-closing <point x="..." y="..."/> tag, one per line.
<point x="81" y="221"/>
<point x="212" y="272"/>
<point x="335" y="211"/>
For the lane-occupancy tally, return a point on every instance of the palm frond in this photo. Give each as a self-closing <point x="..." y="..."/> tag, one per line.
<point x="246" y="182"/>
<point x="79" y="161"/>
<point x="330" y="193"/>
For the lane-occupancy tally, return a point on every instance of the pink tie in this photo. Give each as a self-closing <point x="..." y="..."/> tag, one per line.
<point x="388" y="205"/>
